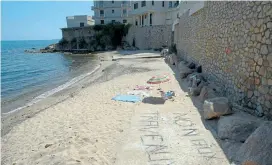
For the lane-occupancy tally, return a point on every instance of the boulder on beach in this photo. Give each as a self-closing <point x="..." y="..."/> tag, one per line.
<point x="237" y="128"/>
<point x="164" y="52"/>
<point x="195" y="89"/>
<point x="195" y="79"/>
<point x="258" y="146"/>
<point x="206" y="93"/>
<point x="181" y="65"/>
<point x="185" y="72"/>
<point x="173" y="60"/>
<point x="216" y="107"/>
<point x="191" y="65"/>
<point x="195" y="84"/>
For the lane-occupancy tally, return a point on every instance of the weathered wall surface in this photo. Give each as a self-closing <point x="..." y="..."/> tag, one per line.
<point x="81" y="32"/>
<point x="232" y="42"/>
<point x="149" y="36"/>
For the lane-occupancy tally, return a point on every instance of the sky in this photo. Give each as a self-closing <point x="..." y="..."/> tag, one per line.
<point x="34" y="20"/>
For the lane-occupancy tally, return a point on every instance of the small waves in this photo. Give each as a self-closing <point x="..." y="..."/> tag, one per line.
<point x="53" y="91"/>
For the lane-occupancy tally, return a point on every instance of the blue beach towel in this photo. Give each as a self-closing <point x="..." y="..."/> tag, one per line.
<point x="127" y="98"/>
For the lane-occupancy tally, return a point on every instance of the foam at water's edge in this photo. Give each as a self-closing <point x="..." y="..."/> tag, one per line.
<point x="53" y="91"/>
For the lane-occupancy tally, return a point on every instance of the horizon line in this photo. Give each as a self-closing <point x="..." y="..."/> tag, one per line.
<point x="31" y="39"/>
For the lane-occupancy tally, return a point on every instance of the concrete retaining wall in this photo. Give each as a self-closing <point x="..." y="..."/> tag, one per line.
<point x="149" y="37"/>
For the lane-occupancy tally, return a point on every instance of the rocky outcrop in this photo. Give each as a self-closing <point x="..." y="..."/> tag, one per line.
<point x="49" y="49"/>
<point x="216" y="107"/>
<point x="236" y="128"/>
<point x="258" y="146"/>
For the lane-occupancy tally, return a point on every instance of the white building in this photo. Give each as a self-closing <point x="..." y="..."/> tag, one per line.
<point x="148" y="13"/>
<point x="111" y="11"/>
<point x="79" y="21"/>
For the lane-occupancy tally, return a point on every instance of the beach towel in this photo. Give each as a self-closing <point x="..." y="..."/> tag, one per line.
<point x="127" y="98"/>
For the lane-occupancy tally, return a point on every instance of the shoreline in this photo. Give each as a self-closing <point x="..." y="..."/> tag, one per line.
<point x="43" y="80"/>
<point x="51" y="97"/>
<point x="54" y="91"/>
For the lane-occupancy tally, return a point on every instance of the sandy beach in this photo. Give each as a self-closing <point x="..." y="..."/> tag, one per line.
<point x="83" y="125"/>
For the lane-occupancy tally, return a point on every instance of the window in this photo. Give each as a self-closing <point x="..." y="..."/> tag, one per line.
<point x="81" y="24"/>
<point x="102" y="22"/>
<point x="136" y="6"/>
<point x="112" y="1"/>
<point x="124" y="2"/>
<point x="112" y="21"/>
<point x="150" y="20"/>
<point x="100" y="3"/>
<point x="176" y="4"/>
<point x="101" y="12"/>
<point x="162" y="3"/>
<point x="124" y="21"/>
<point x="170" y="4"/>
<point x="145" y="16"/>
<point x="112" y="11"/>
<point x="124" y="11"/>
<point x="152" y="2"/>
<point x="143" y="3"/>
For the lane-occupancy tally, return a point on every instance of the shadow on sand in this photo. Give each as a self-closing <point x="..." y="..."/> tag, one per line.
<point x="229" y="149"/>
<point x="153" y="100"/>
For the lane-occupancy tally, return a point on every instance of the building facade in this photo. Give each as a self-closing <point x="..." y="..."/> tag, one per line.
<point x="79" y="21"/>
<point x="111" y="12"/>
<point x="148" y="13"/>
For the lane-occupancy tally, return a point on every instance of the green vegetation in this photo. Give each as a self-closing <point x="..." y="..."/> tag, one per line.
<point x="82" y="44"/>
<point x="106" y="37"/>
<point x="63" y="42"/>
<point x="73" y="43"/>
<point x="110" y="34"/>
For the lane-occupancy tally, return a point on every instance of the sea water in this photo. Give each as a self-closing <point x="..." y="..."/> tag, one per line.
<point x="26" y="77"/>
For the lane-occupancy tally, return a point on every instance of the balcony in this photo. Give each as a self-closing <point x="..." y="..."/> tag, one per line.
<point x="97" y="6"/>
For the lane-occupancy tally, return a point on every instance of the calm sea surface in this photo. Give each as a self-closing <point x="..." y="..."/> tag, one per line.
<point x="26" y="75"/>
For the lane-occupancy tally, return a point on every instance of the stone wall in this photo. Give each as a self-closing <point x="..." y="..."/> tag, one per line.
<point x="232" y="42"/>
<point x="80" y="32"/>
<point x="149" y="37"/>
